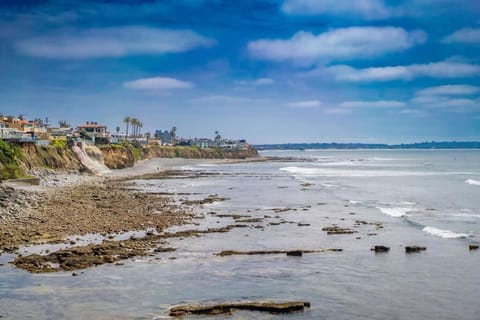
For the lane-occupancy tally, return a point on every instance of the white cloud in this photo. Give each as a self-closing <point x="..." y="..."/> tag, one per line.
<point x="112" y="42"/>
<point x="414" y="112"/>
<point x="445" y="103"/>
<point x="264" y="81"/>
<point x="446" y="100"/>
<point x="444" y="69"/>
<point x="256" y="82"/>
<point x="157" y="83"/>
<point x="368" y="9"/>
<point x="466" y="35"/>
<point x="345" y="43"/>
<point x="372" y="104"/>
<point x="450" y="89"/>
<point x="337" y="111"/>
<point x="305" y="104"/>
<point x="449" y="97"/>
<point x="228" y="99"/>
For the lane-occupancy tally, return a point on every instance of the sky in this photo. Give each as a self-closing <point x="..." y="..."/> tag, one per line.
<point x="269" y="71"/>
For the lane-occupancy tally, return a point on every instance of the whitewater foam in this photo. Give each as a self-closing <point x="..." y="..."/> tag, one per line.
<point x="321" y="172"/>
<point x="395" y="212"/>
<point x="446" y="234"/>
<point x="472" y="182"/>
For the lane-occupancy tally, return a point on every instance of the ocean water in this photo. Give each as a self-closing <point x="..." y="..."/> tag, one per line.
<point x="429" y="198"/>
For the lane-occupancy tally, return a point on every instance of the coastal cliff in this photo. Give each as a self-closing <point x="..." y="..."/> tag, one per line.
<point x="17" y="161"/>
<point x="49" y="157"/>
<point x="124" y="156"/>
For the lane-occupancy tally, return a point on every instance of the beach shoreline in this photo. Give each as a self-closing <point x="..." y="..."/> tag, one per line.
<point x="68" y="204"/>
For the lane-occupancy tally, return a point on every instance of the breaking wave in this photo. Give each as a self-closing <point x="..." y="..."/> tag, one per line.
<point x="472" y="182"/>
<point x="446" y="234"/>
<point x="395" y="212"/>
<point x="322" y="172"/>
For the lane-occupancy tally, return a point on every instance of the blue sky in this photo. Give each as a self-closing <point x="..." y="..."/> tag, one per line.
<point x="270" y="71"/>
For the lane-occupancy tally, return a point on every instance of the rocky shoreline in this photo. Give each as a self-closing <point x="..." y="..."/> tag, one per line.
<point x="68" y="205"/>
<point x="101" y="206"/>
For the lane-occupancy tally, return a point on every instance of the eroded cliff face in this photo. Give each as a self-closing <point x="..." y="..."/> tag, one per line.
<point x="49" y="157"/>
<point x="117" y="157"/>
<point x="196" y="153"/>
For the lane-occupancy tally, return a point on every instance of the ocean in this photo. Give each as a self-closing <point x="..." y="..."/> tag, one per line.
<point x="394" y="198"/>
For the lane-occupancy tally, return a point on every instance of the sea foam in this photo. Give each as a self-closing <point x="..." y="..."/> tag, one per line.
<point x="329" y="172"/>
<point x="472" y="182"/>
<point x="446" y="234"/>
<point x="395" y="212"/>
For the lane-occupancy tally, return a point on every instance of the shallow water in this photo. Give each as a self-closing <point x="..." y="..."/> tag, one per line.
<point x="406" y="191"/>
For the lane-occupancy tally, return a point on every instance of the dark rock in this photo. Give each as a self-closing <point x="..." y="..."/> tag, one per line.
<point x="229" y="307"/>
<point x="157" y="250"/>
<point x="295" y="253"/>
<point x="380" y="249"/>
<point x="473" y="247"/>
<point x="337" y="230"/>
<point x="265" y="252"/>
<point x="410" y="249"/>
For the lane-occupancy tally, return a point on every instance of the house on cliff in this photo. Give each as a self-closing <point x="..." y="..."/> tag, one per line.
<point x="94" y="132"/>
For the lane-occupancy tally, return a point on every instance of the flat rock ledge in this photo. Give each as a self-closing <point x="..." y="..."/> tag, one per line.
<point x="264" y="252"/>
<point x="230" y="307"/>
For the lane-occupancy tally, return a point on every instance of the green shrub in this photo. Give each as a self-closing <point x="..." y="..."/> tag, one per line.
<point x="9" y="156"/>
<point x="177" y="152"/>
<point x="61" y="144"/>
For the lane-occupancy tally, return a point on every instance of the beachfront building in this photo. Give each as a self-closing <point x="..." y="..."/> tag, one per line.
<point x="203" y="143"/>
<point x="94" y="132"/>
<point x="166" y="137"/>
<point x="59" y="135"/>
<point x="18" y="129"/>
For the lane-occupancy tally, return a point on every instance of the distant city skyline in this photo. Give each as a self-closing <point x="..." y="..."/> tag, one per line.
<point x="268" y="71"/>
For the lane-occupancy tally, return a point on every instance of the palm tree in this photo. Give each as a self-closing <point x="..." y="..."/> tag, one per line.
<point x="127" y="121"/>
<point x="134" y="122"/>
<point x="140" y="126"/>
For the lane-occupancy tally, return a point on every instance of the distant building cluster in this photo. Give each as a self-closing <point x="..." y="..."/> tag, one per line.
<point x="40" y="132"/>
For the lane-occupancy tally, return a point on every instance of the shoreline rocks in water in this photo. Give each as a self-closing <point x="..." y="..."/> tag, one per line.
<point x="230" y="307"/>
<point x="337" y="230"/>
<point x="411" y="249"/>
<point x="266" y="252"/>
<point x="380" y="249"/>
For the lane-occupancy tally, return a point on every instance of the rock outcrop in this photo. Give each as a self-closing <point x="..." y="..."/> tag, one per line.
<point x="379" y="249"/>
<point x="229" y="307"/>
<point x="411" y="249"/>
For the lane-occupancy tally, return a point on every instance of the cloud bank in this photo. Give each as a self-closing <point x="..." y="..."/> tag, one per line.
<point x="157" y="83"/>
<point x="305" y="104"/>
<point x="466" y="35"/>
<point x="444" y="69"/>
<point x="345" y="43"/>
<point x="112" y="42"/>
<point x="367" y="9"/>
